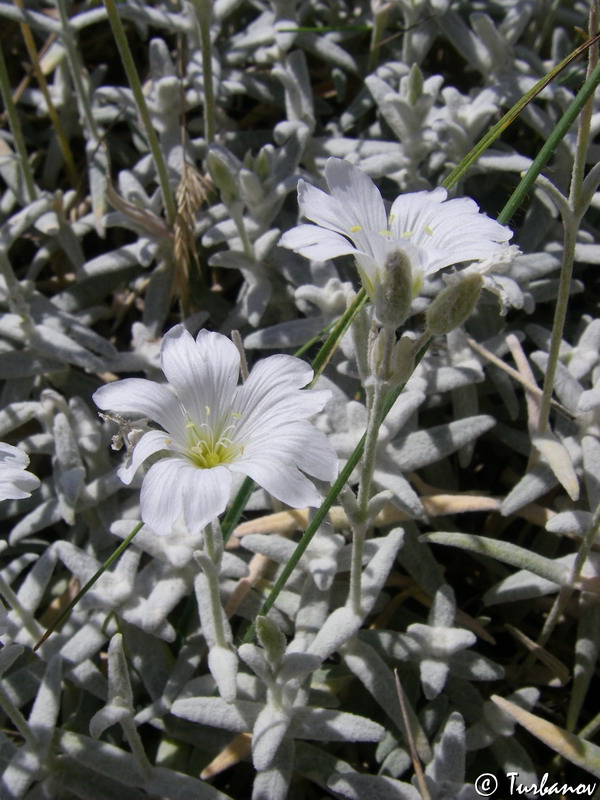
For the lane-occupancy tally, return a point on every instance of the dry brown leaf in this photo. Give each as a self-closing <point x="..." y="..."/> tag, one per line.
<point x="237" y="750"/>
<point x="286" y="522"/>
<point x="554" y="664"/>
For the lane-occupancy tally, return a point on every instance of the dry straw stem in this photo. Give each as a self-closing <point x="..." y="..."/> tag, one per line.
<point x="63" y="142"/>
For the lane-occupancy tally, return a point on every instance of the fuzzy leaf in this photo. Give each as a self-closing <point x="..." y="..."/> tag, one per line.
<point x="559" y="460"/>
<point x="578" y="751"/>
<point x="323" y="724"/>
<point x="503" y="551"/>
<point x="375" y="787"/>
<point x="267" y="735"/>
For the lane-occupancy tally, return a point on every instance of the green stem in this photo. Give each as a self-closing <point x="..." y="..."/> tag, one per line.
<point x="27" y="620"/>
<point x="571" y="225"/>
<point x="140" y="101"/>
<point x="77" y="72"/>
<point x="566" y="592"/>
<point x="17" y="719"/>
<point x="323" y="510"/>
<point x="236" y="209"/>
<point x="203" y="12"/>
<point x="559" y="132"/>
<point x="17" y="131"/>
<point x="568" y="118"/>
<point x="110" y="560"/>
<point x="560" y="315"/>
<point x="137" y="747"/>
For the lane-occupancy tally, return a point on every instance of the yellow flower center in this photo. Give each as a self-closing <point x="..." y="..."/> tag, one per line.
<point x="208" y="448"/>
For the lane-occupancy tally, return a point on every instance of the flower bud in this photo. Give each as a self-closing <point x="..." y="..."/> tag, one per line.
<point x="223" y="173"/>
<point x="393" y="290"/>
<point x="402" y="362"/>
<point x="415" y="85"/>
<point x="271" y="638"/>
<point x="252" y="190"/>
<point x="453" y="305"/>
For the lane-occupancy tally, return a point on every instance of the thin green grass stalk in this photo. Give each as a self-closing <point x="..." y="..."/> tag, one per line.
<point x="31" y="625"/>
<point x="512" y="114"/>
<point x="568" y="118"/>
<point x="331" y="343"/>
<point x="18" y="720"/>
<point x="140" y="101"/>
<point x="323" y="510"/>
<point x="203" y="11"/>
<point x="63" y="142"/>
<point x="510" y="207"/>
<point x="231" y="518"/>
<point x="16" y="130"/>
<point x="109" y="561"/>
<point x="77" y="71"/>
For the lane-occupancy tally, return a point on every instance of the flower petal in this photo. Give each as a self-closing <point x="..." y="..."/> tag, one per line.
<point x="14" y="456"/>
<point x="161" y="498"/>
<point x="204" y="373"/>
<point x="446" y="231"/>
<point x="206" y="493"/>
<point x="16" y="483"/>
<point x="316" y="243"/>
<point x="283" y="481"/>
<point x="150" y="443"/>
<point x="356" y="193"/>
<point x="300" y="444"/>
<point x="272" y="396"/>
<point x="323" y="209"/>
<point x="146" y="398"/>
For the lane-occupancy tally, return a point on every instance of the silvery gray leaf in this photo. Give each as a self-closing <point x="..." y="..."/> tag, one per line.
<point x="570" y="523"/>
<point x="425" y="447"/>
<point x="268" y="733"/>
<point x="275" y="781"/>
<point x="322" y="724"/>
<point x="356" y="787"/>
<point x="539" y="480"/>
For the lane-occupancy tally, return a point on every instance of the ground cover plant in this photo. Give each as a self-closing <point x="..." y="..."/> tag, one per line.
<point x="299" y="418"/>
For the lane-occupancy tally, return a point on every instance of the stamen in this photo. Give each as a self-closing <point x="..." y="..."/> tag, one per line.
<point x="207" y="410"/>
<point x="356" y="228"/>
<point x="391" y="219"/>
<point x="407" y="234"/>
<point x="387" y="234"/>
<point x="428" y="230"/>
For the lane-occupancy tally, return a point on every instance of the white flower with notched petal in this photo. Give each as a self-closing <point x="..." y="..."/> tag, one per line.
<point x="213" y="427"/>
<point x="432" y="231"/>
<point x="15" y="481"/>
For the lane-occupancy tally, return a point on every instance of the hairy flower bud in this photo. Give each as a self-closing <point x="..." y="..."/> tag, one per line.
<point x="393" y="290"/>
<point x="453" y="305"/>
<point x="402" y="362"/>
<point x="271" y="638"/>
<point x="223" y="173"/>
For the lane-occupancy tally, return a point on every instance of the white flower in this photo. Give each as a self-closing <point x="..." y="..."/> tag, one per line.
<point x="433" y="232"/>
<point x="213" y="428"/>
<point x="15" y="481"/>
